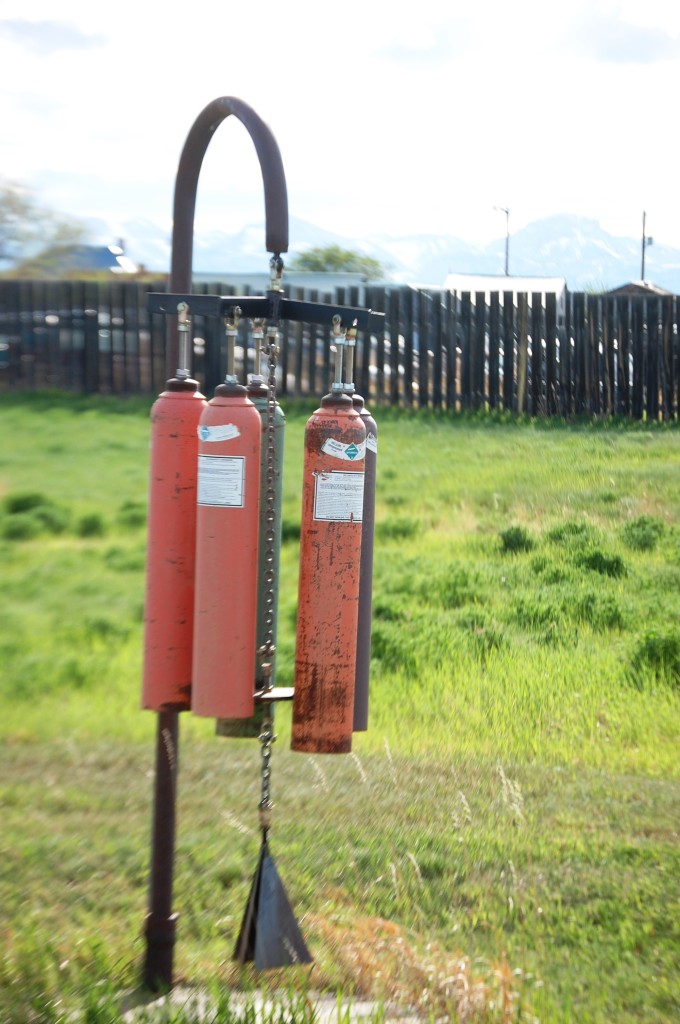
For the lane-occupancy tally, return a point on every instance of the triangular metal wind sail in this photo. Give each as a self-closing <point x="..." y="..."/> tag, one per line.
<point x="269" y="934"/>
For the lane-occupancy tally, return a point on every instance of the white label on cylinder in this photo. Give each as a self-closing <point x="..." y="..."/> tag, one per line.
<point x="349" y="452"/>
<point x="221" y="480"/>
<point x="372" y="443"/>
<point x="339" y="497"/>
<point x="220" y="432"/>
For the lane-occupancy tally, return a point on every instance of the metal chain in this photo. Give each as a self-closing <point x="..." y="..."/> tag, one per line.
<point x="267" y="738"/>
<point x="268" y="648"/>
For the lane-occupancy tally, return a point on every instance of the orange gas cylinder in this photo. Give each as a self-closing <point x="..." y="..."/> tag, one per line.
<point x="328" y="590"/>
<point x="227" y="527"/>
<point x="169" y="602"/>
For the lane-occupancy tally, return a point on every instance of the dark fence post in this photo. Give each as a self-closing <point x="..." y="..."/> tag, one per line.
<point x="436" y="341"/>
<point x="537" y="406"/>
<point x="638" y="326"/>
<point x="608" y="367"/>
<point x="592" y="355"/>
<point x="380" y="304"/>
<point x="478" y="350"/>
<point x="509" y="347"/>
<point x="450" y="343"/>
<point x="10" y="329"/>
<point x="675" y="358"/>
<point x="393" y="325"/>
<point x="313" y="344"/>
<point x="422" y="309"/>
<point x="666" y="362"/>
<point x="578" y="351"/>
<point x="407" y="322"/>
<point x="494" y="348"/>
<point x="466" y="388"/>
<point x="566" y="357"/>
<point x="653" y="359"/>
<point x="522" y="350"/>
<point x="623" y="406"/>
<point x="364" y="352"/>
<point x="551" y="383"/>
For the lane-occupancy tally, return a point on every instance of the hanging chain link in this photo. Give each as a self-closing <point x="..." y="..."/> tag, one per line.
<point x="267" y="650"/>
<point x="267" y="738"/>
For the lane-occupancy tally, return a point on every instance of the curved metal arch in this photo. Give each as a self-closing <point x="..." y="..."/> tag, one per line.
<point x="186" y="186"/>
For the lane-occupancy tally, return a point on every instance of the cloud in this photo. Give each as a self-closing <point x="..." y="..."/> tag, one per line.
<point x="44" y="38"/>
<point x="438" y="46"/>
<point x="37" y="105"/>
<point x="611" y="39"/>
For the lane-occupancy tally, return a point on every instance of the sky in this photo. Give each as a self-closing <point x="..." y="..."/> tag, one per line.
<point x="400" y="118"/>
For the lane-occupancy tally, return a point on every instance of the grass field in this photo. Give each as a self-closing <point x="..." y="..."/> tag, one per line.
<point x="502" y="844"/>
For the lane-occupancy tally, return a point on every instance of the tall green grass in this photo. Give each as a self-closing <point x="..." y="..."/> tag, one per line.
<point x="507" y="828"/>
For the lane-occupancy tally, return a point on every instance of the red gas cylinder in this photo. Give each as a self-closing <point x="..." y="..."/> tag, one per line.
<point x="328" y="590"/>
<point x="169" y="602"/>
<point x="227" y="527"/>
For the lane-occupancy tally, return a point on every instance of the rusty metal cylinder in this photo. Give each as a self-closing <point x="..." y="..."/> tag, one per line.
<point x="170" y="560"/>
<point x="362" y="681"/>
<point x="328" y="588"/>
<point x="227" y="528"/>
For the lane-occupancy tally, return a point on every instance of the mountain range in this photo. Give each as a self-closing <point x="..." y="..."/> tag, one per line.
<point x="575" y="248"/>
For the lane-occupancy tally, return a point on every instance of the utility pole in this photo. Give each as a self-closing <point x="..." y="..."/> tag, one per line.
<point x="506" y="211"/>
<point x="646" y="240"/>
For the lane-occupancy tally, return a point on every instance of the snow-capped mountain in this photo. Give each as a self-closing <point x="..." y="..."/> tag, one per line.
<point x="575" y="248"/>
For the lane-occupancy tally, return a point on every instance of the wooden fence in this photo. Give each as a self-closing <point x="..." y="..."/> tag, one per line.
<point x="527" y="353"/>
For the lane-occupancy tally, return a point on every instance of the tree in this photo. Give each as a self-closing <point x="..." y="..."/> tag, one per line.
<point x="30" y="233"/>
<point x="334" y="259"/>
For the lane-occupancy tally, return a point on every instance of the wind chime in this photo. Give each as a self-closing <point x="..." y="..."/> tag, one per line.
<point x="214" y="552"/>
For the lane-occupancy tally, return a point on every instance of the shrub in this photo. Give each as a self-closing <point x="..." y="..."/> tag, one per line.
<point x="132" y="514"/>
<point x="46" y="514"/>
<point x="643" y="533"/>
<point x="599" y="611"/>
<point x="290" y="531"/>
<point x="606" y="565"/>
<point x="53" y="518"/>
<point x="22" y="526"/>
<point x="533" y="613"/>
<point x="657" y="653"/>
<point x="24" y="502"/>
<point x="91" y="525"/>
<point x="569" y="532"/>
<point x="515" y="539"/>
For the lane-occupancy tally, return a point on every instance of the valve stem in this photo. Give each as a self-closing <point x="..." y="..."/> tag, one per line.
<point x="231" y="323"/>
<point x="339" y="341"/>
<point x="183" y="330"/>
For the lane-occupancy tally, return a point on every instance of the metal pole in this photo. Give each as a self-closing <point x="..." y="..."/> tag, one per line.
<point x="161" y="922"/>
<point x="644" y="221"/>
<point x="507" y="242"/>
<point x="506" y="211"/>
